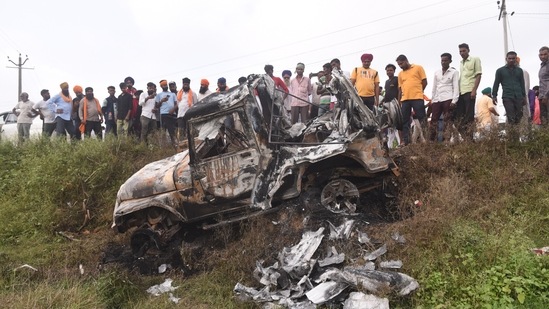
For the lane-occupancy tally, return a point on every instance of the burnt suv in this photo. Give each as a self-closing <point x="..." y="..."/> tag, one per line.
<point x="244" y="158"/>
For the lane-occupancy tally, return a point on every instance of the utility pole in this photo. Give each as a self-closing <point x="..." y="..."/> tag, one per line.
<point x="503" y="16"/>
<point x="20" y="67"/>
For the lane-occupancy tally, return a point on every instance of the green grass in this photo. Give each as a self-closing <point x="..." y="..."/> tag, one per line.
<point x="485" y="205"/>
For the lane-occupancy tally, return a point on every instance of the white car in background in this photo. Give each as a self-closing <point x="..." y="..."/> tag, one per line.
<point x="8" y="127"/>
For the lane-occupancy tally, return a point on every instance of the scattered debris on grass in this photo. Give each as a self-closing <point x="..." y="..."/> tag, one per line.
<point x="297" y="280"/>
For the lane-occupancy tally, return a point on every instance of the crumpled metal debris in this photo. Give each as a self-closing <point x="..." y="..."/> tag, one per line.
<point x="162" y="268"/>
<point x="373" y="281"/>
<point x="359" y="300"/>
<point x="326" y="291"/>
<point x="174" y="299"/>
<point x="391" y="264"/>
<point x="363" y="238"/>
<point x="162" y="288"/>
<point x="280" y="289"/>
<point x="343" y="231"/>
<point x="296" y="260"/>
<point x="376" y="253"/>
<point x="332" y="257"/>
<point x="398" y="238"/>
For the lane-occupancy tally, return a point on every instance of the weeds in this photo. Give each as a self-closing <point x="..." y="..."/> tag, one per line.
<point x="484" y="205"/>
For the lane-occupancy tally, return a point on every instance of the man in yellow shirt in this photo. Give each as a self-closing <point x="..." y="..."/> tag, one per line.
<point x="366" y="82"/>
<point x="411" y="83"/>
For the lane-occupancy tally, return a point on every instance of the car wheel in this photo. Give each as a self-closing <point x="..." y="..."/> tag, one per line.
<point x="142" y="240"/>
<point x="340" y="196"/>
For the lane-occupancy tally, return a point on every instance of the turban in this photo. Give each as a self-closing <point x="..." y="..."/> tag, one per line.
<point x="204" y="82"/>
<point x="487" y="90"/>
<point x="88" y="88"/>
<point x="286" y="72"/>
<point x="222" y="80"/>
<point x="300" y="66"/>
<point x="518" y="61"/>
<point x="365" y="57"/>
<point x="64" y="85"/>
<point x="163" y="83"/>
<point x="172" y="83"/>
<point x="77" y="89"/>
<point x="186" y="80"/>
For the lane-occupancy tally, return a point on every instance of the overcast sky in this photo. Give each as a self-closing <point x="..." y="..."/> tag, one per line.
<point x="98" y="43"/>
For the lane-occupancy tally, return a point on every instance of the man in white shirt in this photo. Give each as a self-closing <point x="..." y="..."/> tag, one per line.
<point x="445" y="95"/>
<point x="23" y="110"/>
<point x="45" y="113"/>
<point x="148" y="117"/>
<point x="185" y="99"/>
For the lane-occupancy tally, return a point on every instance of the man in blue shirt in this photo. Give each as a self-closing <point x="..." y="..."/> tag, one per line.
<point x="166" y="102"/>
<point x="61" y="106"/>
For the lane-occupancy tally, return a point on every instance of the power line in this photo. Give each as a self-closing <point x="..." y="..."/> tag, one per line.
<point x="319" y="36"/>
<point x="385" y="45"/>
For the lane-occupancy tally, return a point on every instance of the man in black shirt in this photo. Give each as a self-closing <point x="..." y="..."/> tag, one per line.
<point x="391" y="85"/>
<point x="125" y="102"/>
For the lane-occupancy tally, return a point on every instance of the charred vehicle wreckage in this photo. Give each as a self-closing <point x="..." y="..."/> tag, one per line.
<point x="244" y="158"/>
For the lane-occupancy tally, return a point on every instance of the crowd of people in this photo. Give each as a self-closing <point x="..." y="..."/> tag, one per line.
<point x="451" y="108"/>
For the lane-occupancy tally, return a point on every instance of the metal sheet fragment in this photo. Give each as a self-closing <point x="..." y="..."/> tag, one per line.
<point x="343" y="231"/>
<point x="376" y="253"/>
<point x="332" y="257"/>
<point x="359" y="300"/>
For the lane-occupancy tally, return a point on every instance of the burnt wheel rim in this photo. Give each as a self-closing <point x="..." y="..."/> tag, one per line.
<point x="340" y="196"/>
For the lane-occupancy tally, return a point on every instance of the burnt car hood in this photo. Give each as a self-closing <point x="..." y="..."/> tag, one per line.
<point x="158" y="177"/>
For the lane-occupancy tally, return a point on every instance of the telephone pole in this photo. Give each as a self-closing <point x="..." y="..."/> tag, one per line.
<point x="20" y="67"/>
<point x="503" y="16"/>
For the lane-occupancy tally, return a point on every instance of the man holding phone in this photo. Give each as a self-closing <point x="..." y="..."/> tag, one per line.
<point x="166" y="102"/>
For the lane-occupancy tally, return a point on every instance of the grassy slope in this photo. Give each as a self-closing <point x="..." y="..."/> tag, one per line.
<point x="484" y="206"/>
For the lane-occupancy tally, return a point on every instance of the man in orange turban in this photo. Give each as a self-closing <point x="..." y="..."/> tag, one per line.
<point x="78" y="93"/>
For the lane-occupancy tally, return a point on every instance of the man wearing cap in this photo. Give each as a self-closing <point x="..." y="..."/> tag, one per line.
<point x="166" y="102"/>
<point x="366" y="82"/>
<point x="124" y="109"/>
<point x="485" y="109"/>
<point x="203" y="91"/>
<point x="148" y="117"/>
<point x="173" y="87"/>
<point x="300" y="89"/>
<point x="78" y="95"/>
<point x="23" y="110"/>
<point x="185" y="99"/>
<point x="47" y="116"/>
<point x="511" y="79"/>
<point x="61" y="105"/>
<point x="91" y="114"/>
<point x="109" y="111"/>
<point x="445" y="95"/>
<point x="411" y="83"/>
<point x="222" y="85"/>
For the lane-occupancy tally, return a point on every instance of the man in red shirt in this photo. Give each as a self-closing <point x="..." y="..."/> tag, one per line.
<point x="279" y="83"/>
<point x="134" y="123"/>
